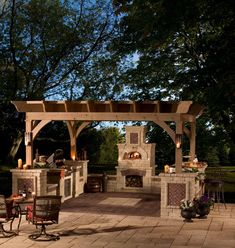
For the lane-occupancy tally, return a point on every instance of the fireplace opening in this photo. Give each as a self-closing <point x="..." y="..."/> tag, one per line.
<point x="134" y="181"/>
<point x="132" y="155"/>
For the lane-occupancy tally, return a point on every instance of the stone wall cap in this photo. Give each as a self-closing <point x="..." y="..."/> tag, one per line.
<point x="28" y="170"/>
<point x="178" y="175"/>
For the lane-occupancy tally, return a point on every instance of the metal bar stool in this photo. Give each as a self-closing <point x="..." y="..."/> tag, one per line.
<point x="214" y="183"/>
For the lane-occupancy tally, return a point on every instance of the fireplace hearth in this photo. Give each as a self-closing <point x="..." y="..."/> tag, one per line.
<point x="136" y="161"/>
<point x="134" y="181"/>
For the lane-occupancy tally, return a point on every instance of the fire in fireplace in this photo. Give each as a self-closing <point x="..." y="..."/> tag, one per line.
<point x="132" y="155"/>
<point x="134" y="181"/>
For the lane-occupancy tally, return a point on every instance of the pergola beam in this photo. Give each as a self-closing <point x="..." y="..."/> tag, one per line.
<point x="159" y="112"/>
<point x="108" y="116"/>
<point x="182" y="107"/>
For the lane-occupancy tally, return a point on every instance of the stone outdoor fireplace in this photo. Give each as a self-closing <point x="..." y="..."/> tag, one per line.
<point x="136" y="162"/>
<point x="134" y="181"/>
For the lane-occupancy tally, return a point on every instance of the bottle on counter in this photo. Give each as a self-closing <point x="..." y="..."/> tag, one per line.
<point x="166" y="168"/>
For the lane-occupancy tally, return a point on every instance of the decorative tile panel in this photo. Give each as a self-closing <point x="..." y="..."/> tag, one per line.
<point x="81" y="171"/>
<point x="134" y="138"/>
<point x="176" y="192"/>
<point x="25" y="184"/>
<point x="67" y="187"/>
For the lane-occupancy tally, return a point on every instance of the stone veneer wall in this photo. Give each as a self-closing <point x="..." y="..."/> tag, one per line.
<point x="174" y="188"/>
<point x="154" y="188"/>
<point x="79" y="176"/>
<point x="67" y="184"/>
<point x="38" y="177"/>
<point x="142" y="165"/>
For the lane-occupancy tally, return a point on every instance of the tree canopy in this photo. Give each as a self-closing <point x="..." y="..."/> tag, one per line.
<point x="184" y="50"/>
<point x="47" y="46"/>
<point x="120" y="50"/>
<point x="52" y="50"/>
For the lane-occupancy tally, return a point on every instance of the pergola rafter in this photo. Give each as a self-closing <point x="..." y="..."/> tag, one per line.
<point x="160" y="107"/>
<point x="160" y="112"/>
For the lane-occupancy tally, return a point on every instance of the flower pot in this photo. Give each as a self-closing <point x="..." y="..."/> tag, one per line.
<point x="203" y="211"/>
<point x="188" y="214"/>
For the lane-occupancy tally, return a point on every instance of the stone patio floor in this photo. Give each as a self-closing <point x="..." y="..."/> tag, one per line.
<point x="114" y="220"/>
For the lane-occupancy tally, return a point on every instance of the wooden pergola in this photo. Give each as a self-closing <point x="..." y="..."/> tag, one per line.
<point x="40" y="113"/>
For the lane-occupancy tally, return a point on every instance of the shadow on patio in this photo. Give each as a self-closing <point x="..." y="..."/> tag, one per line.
<point x="130" y="204"/>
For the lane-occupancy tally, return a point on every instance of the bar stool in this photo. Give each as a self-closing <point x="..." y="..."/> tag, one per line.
<point x="214" y="183"/>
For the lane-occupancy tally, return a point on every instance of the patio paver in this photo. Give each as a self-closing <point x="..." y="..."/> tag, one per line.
<point x="113" y="220"/>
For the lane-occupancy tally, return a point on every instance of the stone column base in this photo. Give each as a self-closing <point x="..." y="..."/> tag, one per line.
<point x="174" y="188"/>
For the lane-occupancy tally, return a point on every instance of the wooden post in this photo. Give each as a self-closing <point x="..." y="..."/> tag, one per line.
<point x="178" y="160"/>
<point x="29" y="145"/>
<point x="192" y="140"/>
<point x="73" y="147"/>
<point x="73" y="133"/>
<point x="178" y="149"/>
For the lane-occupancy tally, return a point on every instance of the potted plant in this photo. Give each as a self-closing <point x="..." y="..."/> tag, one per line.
<point x="187" y="210"/>
<point x="203" y="204"/>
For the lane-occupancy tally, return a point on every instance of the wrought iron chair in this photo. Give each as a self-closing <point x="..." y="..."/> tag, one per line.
<point x="214" y="182"/>
<point x="44" y="211"/>
<point x="7" y="214"/>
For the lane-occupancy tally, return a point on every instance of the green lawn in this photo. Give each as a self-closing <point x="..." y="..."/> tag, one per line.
<point x="229" y="177"/>
<point x="229" y="182"/>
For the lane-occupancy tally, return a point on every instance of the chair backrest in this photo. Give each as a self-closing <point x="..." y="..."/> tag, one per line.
<point x="5" y="208"/>
<point x="215" y="173"/>
<point x="46" y="208"/>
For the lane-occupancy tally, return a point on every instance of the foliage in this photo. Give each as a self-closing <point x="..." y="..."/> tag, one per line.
<point x="183" y="51"/>
<point x="212" y="144"/>
<point x="108" y="149"/>
<point x="52" y="137"/>
<point x="187" y="205"/>
<point x="164" y="145"/>
<point x="158" y="51"/>
<point x="203" y="201"/>
<point x="39" y="59"/>
<point x="52" y="49"/>
<point x="100" y="144"/>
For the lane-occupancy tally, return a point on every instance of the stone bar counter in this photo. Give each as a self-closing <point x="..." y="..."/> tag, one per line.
<point x="67" y="181"/>
<point x="176" y="187"/>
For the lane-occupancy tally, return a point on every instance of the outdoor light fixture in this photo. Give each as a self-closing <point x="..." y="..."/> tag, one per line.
<point x="73" y="155"/>
<point x="28" y="137"/>
<point x="178" y="140"/>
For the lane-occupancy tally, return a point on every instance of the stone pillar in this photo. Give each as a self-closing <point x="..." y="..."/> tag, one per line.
<point x="174" y="188"/>
<point x="77" y="181"/>
<point x="84" y="164"/>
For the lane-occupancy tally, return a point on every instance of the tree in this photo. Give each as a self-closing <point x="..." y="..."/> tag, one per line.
<point x="100" y="144"/>
<point x="184" y="51"/>
<point x="108" y="149"/>
<point x="165" y="147"/>
<point x="51" y="48"/>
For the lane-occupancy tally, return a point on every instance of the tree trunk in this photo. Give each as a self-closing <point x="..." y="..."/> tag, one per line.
<point x="15" y="146"/>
